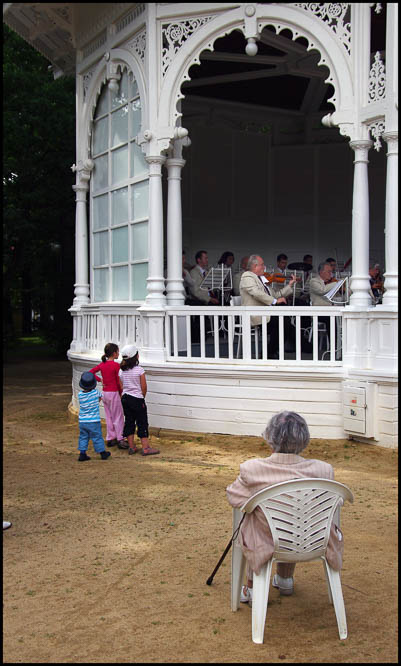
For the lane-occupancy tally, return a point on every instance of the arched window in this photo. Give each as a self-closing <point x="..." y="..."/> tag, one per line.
<point x="119" y="197"/>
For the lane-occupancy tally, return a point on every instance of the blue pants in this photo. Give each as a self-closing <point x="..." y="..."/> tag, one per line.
<point x="91" y="430"/>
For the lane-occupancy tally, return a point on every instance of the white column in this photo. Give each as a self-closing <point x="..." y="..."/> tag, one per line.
<point x="175" y="287"/>
<point x="390" y="297"/>
<point x="155" y="282"/>
<point x="360" y="284"/>
<point x="81" y="286"/>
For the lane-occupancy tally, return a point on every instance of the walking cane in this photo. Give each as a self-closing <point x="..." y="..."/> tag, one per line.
<point x="234" y="536"/>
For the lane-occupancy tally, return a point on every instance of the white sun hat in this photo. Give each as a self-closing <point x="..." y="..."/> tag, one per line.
<point x="129" y="351"/>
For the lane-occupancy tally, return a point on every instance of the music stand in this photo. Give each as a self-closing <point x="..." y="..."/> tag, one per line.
<point x="218" y="278"/>
<point x="330" y="294"/>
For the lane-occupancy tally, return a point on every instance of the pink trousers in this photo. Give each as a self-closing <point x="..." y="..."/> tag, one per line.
<point x="114" y="414"/>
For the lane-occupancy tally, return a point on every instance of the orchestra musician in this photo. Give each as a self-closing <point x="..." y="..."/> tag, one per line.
<point x="376" y="284"/>
<point x="319" y="286"/>
<point x="201" y="296"/>
<point x="282" y="261"/>
<point x="198" y="296"/>
<point x="255" y="290"/>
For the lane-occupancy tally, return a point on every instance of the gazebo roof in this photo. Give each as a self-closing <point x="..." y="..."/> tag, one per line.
<point x="57" y="30"/>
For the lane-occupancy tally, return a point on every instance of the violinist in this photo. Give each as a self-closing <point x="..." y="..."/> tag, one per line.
<point x="318" y="287"/>
<point x="321" y="284"/>
<point x="255" y="290"/>
<point x="333" y="264"/>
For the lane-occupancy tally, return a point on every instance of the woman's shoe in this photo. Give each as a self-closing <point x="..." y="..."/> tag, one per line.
<point x="111" y="442"/>
<point x="246" y="595"/>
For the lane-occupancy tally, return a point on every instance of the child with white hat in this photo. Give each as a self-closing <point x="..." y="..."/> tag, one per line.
<point x="134" y="387"/>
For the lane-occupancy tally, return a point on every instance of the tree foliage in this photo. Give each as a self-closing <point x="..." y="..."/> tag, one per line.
<point x="39" y="204"/>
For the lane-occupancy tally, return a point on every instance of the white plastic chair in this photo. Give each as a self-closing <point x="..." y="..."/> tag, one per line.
<point x="299" y="513"/>
<point x="237" y="328"/>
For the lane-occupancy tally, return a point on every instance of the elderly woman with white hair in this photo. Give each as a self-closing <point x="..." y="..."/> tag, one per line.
<point x="287" y="434"/>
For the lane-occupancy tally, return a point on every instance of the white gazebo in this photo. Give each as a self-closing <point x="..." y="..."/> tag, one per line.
<point x="250" y="127"/>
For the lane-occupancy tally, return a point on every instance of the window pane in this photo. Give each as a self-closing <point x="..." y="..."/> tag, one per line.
<point x="139" y="241"/>
<point x="119" y="206"/>
<point x="119" y="126"/>
<point x="119" y="162"/>
<point x="136" y="115"/>
<point x="139" y="165"/>
<point x="100" y="212"/>
<point x="139" y="277"/>
<point x="121" y="96"/>
<point x="101" y="248"/>
<point x="100" y="172"/>
<point x="101" y="135"/>
<point x="120" y="284"/>
<point x="103" y="102"/>
<point x="119" y="242"/>
<point x="133" y="87"/>
<point x="101" y="284"/>
<point x="140" y="200"/>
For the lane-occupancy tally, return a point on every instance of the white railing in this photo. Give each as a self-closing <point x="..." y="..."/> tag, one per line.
<point x="93" y="327"/>
<point x="225" y="334"/>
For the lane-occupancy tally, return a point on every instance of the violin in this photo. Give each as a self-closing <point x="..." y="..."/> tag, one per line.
<point x="275" y="277"/>
<point x="333" y="279"/>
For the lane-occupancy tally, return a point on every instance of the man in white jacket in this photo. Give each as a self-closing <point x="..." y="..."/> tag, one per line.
<point x="254" y="290"/>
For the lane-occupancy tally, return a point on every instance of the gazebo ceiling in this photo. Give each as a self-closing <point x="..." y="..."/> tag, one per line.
<point x="283" y="74"/>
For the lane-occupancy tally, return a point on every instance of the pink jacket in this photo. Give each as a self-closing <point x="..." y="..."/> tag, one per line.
<point x="255" y="537"/>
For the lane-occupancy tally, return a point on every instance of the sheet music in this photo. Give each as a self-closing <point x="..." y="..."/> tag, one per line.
<point x="335" y="289"/>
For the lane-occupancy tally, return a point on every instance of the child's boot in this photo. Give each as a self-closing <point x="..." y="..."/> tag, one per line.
<point x="83" y="456"/>
<point x="105" y="454"/>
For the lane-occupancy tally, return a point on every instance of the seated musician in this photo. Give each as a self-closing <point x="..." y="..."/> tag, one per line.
<point x="376" y="284"/>
<point x="200" y="296"/>
<point x="237" y="276"/>
<point x="282" y="261"/>
<point x="227" y="258"/>
<point x="332" y="263"/>
<point x="255" y="291"/>
<point x="319" y="286"/>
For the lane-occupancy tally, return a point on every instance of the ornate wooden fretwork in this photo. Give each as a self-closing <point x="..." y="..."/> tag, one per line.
<point x="376" y="130"/>
<point x="333" y="14"/>
<point x="175" y="34"/>
<point x="138" y="44"/>
<point x="377" y="80"/>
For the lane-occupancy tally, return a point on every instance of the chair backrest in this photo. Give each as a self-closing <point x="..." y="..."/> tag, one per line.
<point x="300" y="513"/>
<point x="235" y="300"/>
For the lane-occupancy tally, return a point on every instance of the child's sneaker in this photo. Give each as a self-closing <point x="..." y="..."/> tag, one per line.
<point x="83" y="456"/>
<point x="105" y="454"/>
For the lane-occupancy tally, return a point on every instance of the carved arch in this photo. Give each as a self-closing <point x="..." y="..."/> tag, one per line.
<point x="124" y="60"/>
<point x="280" y="17"/>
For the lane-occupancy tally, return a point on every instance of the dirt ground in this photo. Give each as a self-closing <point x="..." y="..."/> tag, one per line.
<point x="107" y="561"/>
